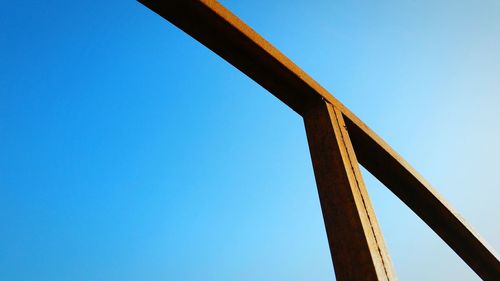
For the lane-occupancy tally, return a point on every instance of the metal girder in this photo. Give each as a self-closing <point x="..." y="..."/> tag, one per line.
<point x="222" y="32"/>
<point x="356" y="242"/>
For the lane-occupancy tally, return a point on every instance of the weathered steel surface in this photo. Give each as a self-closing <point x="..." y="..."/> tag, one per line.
<point x="222" y="32"/>
<point x="356" y="244"/>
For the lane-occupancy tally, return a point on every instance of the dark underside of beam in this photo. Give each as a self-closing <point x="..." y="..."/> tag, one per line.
<point x="222" y="32"/>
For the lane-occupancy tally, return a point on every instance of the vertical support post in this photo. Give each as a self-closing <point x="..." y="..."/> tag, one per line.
<point x="356" y="243"/>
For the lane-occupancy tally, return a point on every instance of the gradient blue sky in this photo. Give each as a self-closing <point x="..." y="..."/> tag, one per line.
<point x="131" y="152"/>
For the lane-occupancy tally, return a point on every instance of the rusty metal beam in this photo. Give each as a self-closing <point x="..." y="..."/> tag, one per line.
<point x="411" y="188"/>
<point x="356" y="243"/>
<point x="222" y="32"/>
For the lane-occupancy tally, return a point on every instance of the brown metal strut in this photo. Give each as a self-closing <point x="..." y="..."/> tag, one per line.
<point x="337" y="140"/>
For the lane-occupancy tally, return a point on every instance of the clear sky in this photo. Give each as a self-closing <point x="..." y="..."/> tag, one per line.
<point x="128" y="151"/>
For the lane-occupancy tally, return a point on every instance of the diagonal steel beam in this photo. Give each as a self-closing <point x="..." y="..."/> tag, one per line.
<point x="222" y="32"/>
<point x="356" y="243"/>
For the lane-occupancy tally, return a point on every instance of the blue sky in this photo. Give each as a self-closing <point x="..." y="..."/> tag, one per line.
<point x="131" y="152"/>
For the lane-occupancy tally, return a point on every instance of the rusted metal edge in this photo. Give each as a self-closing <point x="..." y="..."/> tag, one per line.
<point x="221" y="31"/>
